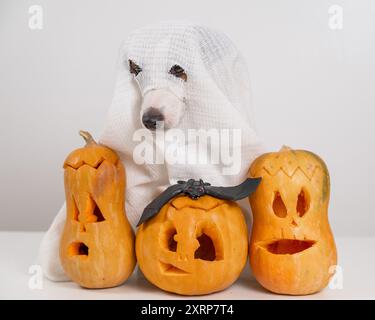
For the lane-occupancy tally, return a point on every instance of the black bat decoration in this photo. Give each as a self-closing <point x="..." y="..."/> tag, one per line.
<point x="197" y="188"/>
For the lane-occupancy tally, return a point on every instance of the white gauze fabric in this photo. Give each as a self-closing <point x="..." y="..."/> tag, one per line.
<point x="216" y="96"/>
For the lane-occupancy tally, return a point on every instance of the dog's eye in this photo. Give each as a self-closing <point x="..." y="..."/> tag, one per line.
<point x="178" y="72"/>
<point x="134" y="68"/>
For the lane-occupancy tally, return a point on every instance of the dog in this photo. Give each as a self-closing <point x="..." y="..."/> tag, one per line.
<point x="173" y="77"/>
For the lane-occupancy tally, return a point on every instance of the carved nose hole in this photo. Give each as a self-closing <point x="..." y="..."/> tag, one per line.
<point x="302" y="203"/>
<point x="278" y="206"/>
<point x="206" y="250"/>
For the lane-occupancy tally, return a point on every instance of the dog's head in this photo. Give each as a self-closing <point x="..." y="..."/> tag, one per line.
<point x="180" y="66"/>
<point x="163" y="91"/>
<point x="161" y="106"/>
<point x="188" y="77"/>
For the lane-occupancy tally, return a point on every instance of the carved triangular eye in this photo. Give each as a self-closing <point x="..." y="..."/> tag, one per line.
<point x="92" y="213"/>
<point x="98" y="214"/>
<point x="75" y="212"/>
<point x="278" y="206"/>
<point x="134" y="68"/>
<point x="178" y="72"/>
<point x="302" y="203"/>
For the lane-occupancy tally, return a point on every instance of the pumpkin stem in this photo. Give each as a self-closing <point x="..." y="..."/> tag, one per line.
<point x="285" y="148"/>
<point x="87" y="136"/>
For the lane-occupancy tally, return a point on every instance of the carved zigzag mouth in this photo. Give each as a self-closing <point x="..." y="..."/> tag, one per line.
<point x="286" y="246"/>
<point x="82" y="163"/>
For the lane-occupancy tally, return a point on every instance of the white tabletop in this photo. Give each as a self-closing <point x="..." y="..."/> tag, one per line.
<point x="19" y="278"/>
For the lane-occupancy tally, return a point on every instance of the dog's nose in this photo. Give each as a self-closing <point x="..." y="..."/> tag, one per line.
<point x="151" y="117"/>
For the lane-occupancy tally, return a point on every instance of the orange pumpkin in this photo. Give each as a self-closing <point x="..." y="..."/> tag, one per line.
<point x="97" y="245"/>
<point x="193" y="247"/>
<point x="292" y="247"/>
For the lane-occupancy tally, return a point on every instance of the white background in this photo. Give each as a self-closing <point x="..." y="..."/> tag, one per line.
<point x="313" y="87"/>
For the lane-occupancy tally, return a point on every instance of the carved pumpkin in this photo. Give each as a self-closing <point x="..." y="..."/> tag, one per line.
<point x="97" y="245"/>
<point x="193" y="247"/>
<point x="292" y="246"/>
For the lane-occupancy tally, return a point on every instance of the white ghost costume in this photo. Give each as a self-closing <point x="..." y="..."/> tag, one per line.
<point x="216" y="96"/>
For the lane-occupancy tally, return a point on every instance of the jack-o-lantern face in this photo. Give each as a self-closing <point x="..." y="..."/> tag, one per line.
<point x="193" y="247"/>
<point x="97" y="245"/>
<point x="292" y="246"/>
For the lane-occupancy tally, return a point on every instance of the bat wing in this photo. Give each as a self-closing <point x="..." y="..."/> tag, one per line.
<point x="234" y="193"/>
<point x="154" y="207"/>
